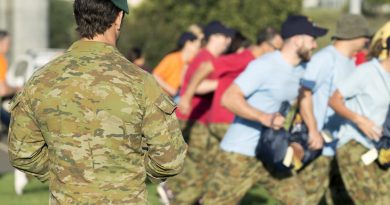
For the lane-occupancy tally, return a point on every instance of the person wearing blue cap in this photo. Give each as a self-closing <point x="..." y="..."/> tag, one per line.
<point x="329" y="67"/>
<point x="255" y="97"/>
<point x="92" y="123"/>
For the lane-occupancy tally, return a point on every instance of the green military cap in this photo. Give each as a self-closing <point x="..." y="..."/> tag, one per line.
<point x="122" y="4"/>
<point x="351" y="26"/>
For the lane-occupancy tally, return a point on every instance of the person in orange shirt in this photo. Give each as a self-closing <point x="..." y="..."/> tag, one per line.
<point x="4" y="47"/>
<point x="169" y="72"/>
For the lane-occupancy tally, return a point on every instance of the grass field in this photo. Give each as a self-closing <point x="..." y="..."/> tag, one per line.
<point x="37" y="193"/>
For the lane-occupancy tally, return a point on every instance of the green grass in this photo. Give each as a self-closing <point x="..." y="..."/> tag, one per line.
<point x="37" y="193"/>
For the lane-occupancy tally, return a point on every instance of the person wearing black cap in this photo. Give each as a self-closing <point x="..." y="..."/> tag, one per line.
<point x="170" y="71"/>
<point x="328" y="67"/>
<point x="255" y="97"/>
<point x="92" y="123"/>
<point x="187" y="187"/>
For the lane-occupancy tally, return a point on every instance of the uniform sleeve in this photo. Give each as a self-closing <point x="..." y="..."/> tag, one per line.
<point x="27" y="149"/>
<point x="354" y="83"/>
<point x="252" y="78"/>
<point x="317" y="71"/>
<point x="166" y="146"/>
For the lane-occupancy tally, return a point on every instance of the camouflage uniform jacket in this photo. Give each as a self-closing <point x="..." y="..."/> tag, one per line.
<point x="95" y="125"/>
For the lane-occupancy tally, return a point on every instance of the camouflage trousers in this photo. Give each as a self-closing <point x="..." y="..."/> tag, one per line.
<point x="321" y="178"/>
<point x="366" y="184"/>
<point x="218" y="130"/>
<point x="235" y="174"/>
<point x="189" y="185"/>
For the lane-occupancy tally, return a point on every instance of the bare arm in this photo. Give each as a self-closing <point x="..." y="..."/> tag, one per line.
<point x="204" y="70"/>
<point x="207" y="86"/>
<point x="364" y="124"/>
<point x="306" y="111"/>
<point x="196" y="85"/>
<point x="234" y="100"/>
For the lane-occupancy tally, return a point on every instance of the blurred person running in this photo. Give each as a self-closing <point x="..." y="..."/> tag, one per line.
<point x="20" y="178"/>
<point x="187" y="187"/>
<point x="4" y="48"/>
<point x="170" y="71"/>
<point x="363" y="98"/>
<point x="227" y="68"/>
<point x="5" y="90"/>
<point x="255" y="98"/>
<point x="324" y="72"/>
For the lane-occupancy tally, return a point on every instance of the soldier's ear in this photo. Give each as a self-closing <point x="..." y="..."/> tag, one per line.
<point x="118" y="21"/>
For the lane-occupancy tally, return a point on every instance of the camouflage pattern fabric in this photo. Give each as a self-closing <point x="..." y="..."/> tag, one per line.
<point x="235" y="174"/>
<point x="315" y="179"/>
<point x="95" y="125"/>
<point x="321" y="178"/>
<point x="218" y="130"/>
<point x="188" y="186"/>
<point x="365" y="184"/>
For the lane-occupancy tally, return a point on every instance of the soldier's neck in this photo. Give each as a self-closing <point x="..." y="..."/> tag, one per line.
<point x="107" y="37"/>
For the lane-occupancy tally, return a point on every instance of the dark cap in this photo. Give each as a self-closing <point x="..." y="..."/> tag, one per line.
<point x="122" y="4"/>
<point x="216" y="27"/>
<point x="352" y="26"/>
<point x="299" y="25"/>
<point x="184" y="37"/>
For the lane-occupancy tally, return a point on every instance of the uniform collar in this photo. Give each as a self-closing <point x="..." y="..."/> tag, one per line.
<point x="82" y="45"/>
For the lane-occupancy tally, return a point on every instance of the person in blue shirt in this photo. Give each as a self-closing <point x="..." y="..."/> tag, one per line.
<point x="328" y="67"/>
<point x="363" y="99"/>
<point x="255" y="98"/>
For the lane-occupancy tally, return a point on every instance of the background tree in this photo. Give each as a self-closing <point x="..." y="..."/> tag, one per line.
<point x="61" y="24"/>
<point x="155" y="25"/>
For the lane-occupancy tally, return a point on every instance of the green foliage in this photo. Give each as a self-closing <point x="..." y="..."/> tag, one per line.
<point x="155" y="25"/>
<point x="377" y="1"/>
<point x="61" y="24"/>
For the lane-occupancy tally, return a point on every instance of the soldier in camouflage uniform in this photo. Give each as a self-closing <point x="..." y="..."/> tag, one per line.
<point x="93" y="124"/>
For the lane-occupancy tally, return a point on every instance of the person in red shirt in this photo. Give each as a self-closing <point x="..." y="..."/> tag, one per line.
<point x="226" y="69"/>
<point x="188" y="186"/>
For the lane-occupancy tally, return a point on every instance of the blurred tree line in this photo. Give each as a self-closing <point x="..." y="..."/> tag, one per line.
<point x="155" y="25"/>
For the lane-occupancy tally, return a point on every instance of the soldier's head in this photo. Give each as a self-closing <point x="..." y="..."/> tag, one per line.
<point x="269" y="40"/>
<point x="380" y="43"/>
<point x="299" y="34"/>
<point x="352" y="32"/>
<point x="97" y="18"/>
<point x="218" y="37"/>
